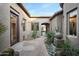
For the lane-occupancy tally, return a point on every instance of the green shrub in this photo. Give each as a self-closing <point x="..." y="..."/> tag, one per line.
<point x="34" y="34"/>
<point x="50" y="37"/>
<point x="69" y="50"/>
<point x="8" y="52"/>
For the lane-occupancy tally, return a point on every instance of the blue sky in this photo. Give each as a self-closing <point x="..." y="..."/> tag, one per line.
<point x="42" y="9"/>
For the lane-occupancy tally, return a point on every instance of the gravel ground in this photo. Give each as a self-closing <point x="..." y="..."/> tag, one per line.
<point x="51" y="49"/>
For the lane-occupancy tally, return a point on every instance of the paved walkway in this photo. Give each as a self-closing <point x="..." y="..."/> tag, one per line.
<point x="31" y="48"/>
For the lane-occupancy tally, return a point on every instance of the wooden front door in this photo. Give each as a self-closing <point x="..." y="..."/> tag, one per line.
<point x="14" y="31"/>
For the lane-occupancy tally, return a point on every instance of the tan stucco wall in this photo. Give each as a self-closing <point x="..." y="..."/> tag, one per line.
<point x="60" y="22"/>
<point x="66" y="8"/>
<point x="53" y="24"/>
<point x="56" y="22"/>
<point x="5" y="19"/>
<point x="21" y="16"/>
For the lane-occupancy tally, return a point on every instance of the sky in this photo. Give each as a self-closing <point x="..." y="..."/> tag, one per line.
<point x="42" y="9"/>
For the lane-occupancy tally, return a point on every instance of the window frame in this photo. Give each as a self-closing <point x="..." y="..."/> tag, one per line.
<point x="33" y="25"/>
<point x="24" y="24"/>
<point x="68" y="33"/>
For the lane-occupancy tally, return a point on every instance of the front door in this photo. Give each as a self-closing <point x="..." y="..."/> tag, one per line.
<point x="14" y="28"/>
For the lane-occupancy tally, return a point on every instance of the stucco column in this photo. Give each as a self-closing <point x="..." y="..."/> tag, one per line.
<point x="78" y="22"/>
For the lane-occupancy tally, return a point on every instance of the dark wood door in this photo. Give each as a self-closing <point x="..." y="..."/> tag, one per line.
<point x="14" y="31"/>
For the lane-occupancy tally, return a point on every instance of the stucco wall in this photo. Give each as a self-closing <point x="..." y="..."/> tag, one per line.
<point x="56" y="22"/>
<point x="53" y="23"/>
<point x="60" y="22"/>
<point x="66" y="8"/>
<point x="5" y="19"/>
<point x="28" y="23"/>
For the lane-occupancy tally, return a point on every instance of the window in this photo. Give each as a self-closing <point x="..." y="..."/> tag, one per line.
<point x="72" y="20"/>
<point x="24" y="24"/>
<point x="35" y="26"/>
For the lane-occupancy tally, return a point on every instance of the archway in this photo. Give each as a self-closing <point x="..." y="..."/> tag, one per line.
<point x="44" y="28"/>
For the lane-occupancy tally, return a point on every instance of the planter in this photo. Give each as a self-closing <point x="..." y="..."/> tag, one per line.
<point x="59" y="51"/>
<point x="58" y="35"/>
<point x="58" y="43"/>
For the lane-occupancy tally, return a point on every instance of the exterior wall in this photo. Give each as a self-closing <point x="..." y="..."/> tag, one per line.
<point x="56" y="22"/>
<point x="40" y="21"/>
<point x="53" y="23"/>
<point x="5" y="19"/>
<point x="28" y="23"/>
<point x="60" y="22"/>
<point x="66" y="8"/>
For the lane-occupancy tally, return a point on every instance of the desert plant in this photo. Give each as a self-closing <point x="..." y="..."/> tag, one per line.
<point x="50" y="37"/>
<point x="34" y="34"/>
<point x="69" y="50"/>
<point x="8" y="52"/>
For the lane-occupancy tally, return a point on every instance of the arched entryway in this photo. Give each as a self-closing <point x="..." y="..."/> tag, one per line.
<point x="44" y="28"/>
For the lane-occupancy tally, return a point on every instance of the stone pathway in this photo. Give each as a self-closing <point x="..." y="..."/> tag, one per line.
<point x="31" y="48"/>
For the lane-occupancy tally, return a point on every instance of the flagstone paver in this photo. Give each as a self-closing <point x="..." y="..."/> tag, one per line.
<point x="31" y="48"/>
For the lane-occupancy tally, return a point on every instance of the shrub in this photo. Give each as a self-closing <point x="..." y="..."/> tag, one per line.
<point x="34" y="34"/>
<point x="50" y="37"/>
<point x="69" y="50"/>
<point x="8" y="52"/>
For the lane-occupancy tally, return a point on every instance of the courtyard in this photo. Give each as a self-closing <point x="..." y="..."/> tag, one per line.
<point x="50" y="29"/>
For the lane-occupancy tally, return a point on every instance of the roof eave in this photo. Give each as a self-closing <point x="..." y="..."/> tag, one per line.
<point x="57" y="13"/>
<point x="23" y="8"/>
<point x="61" y="5"/>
